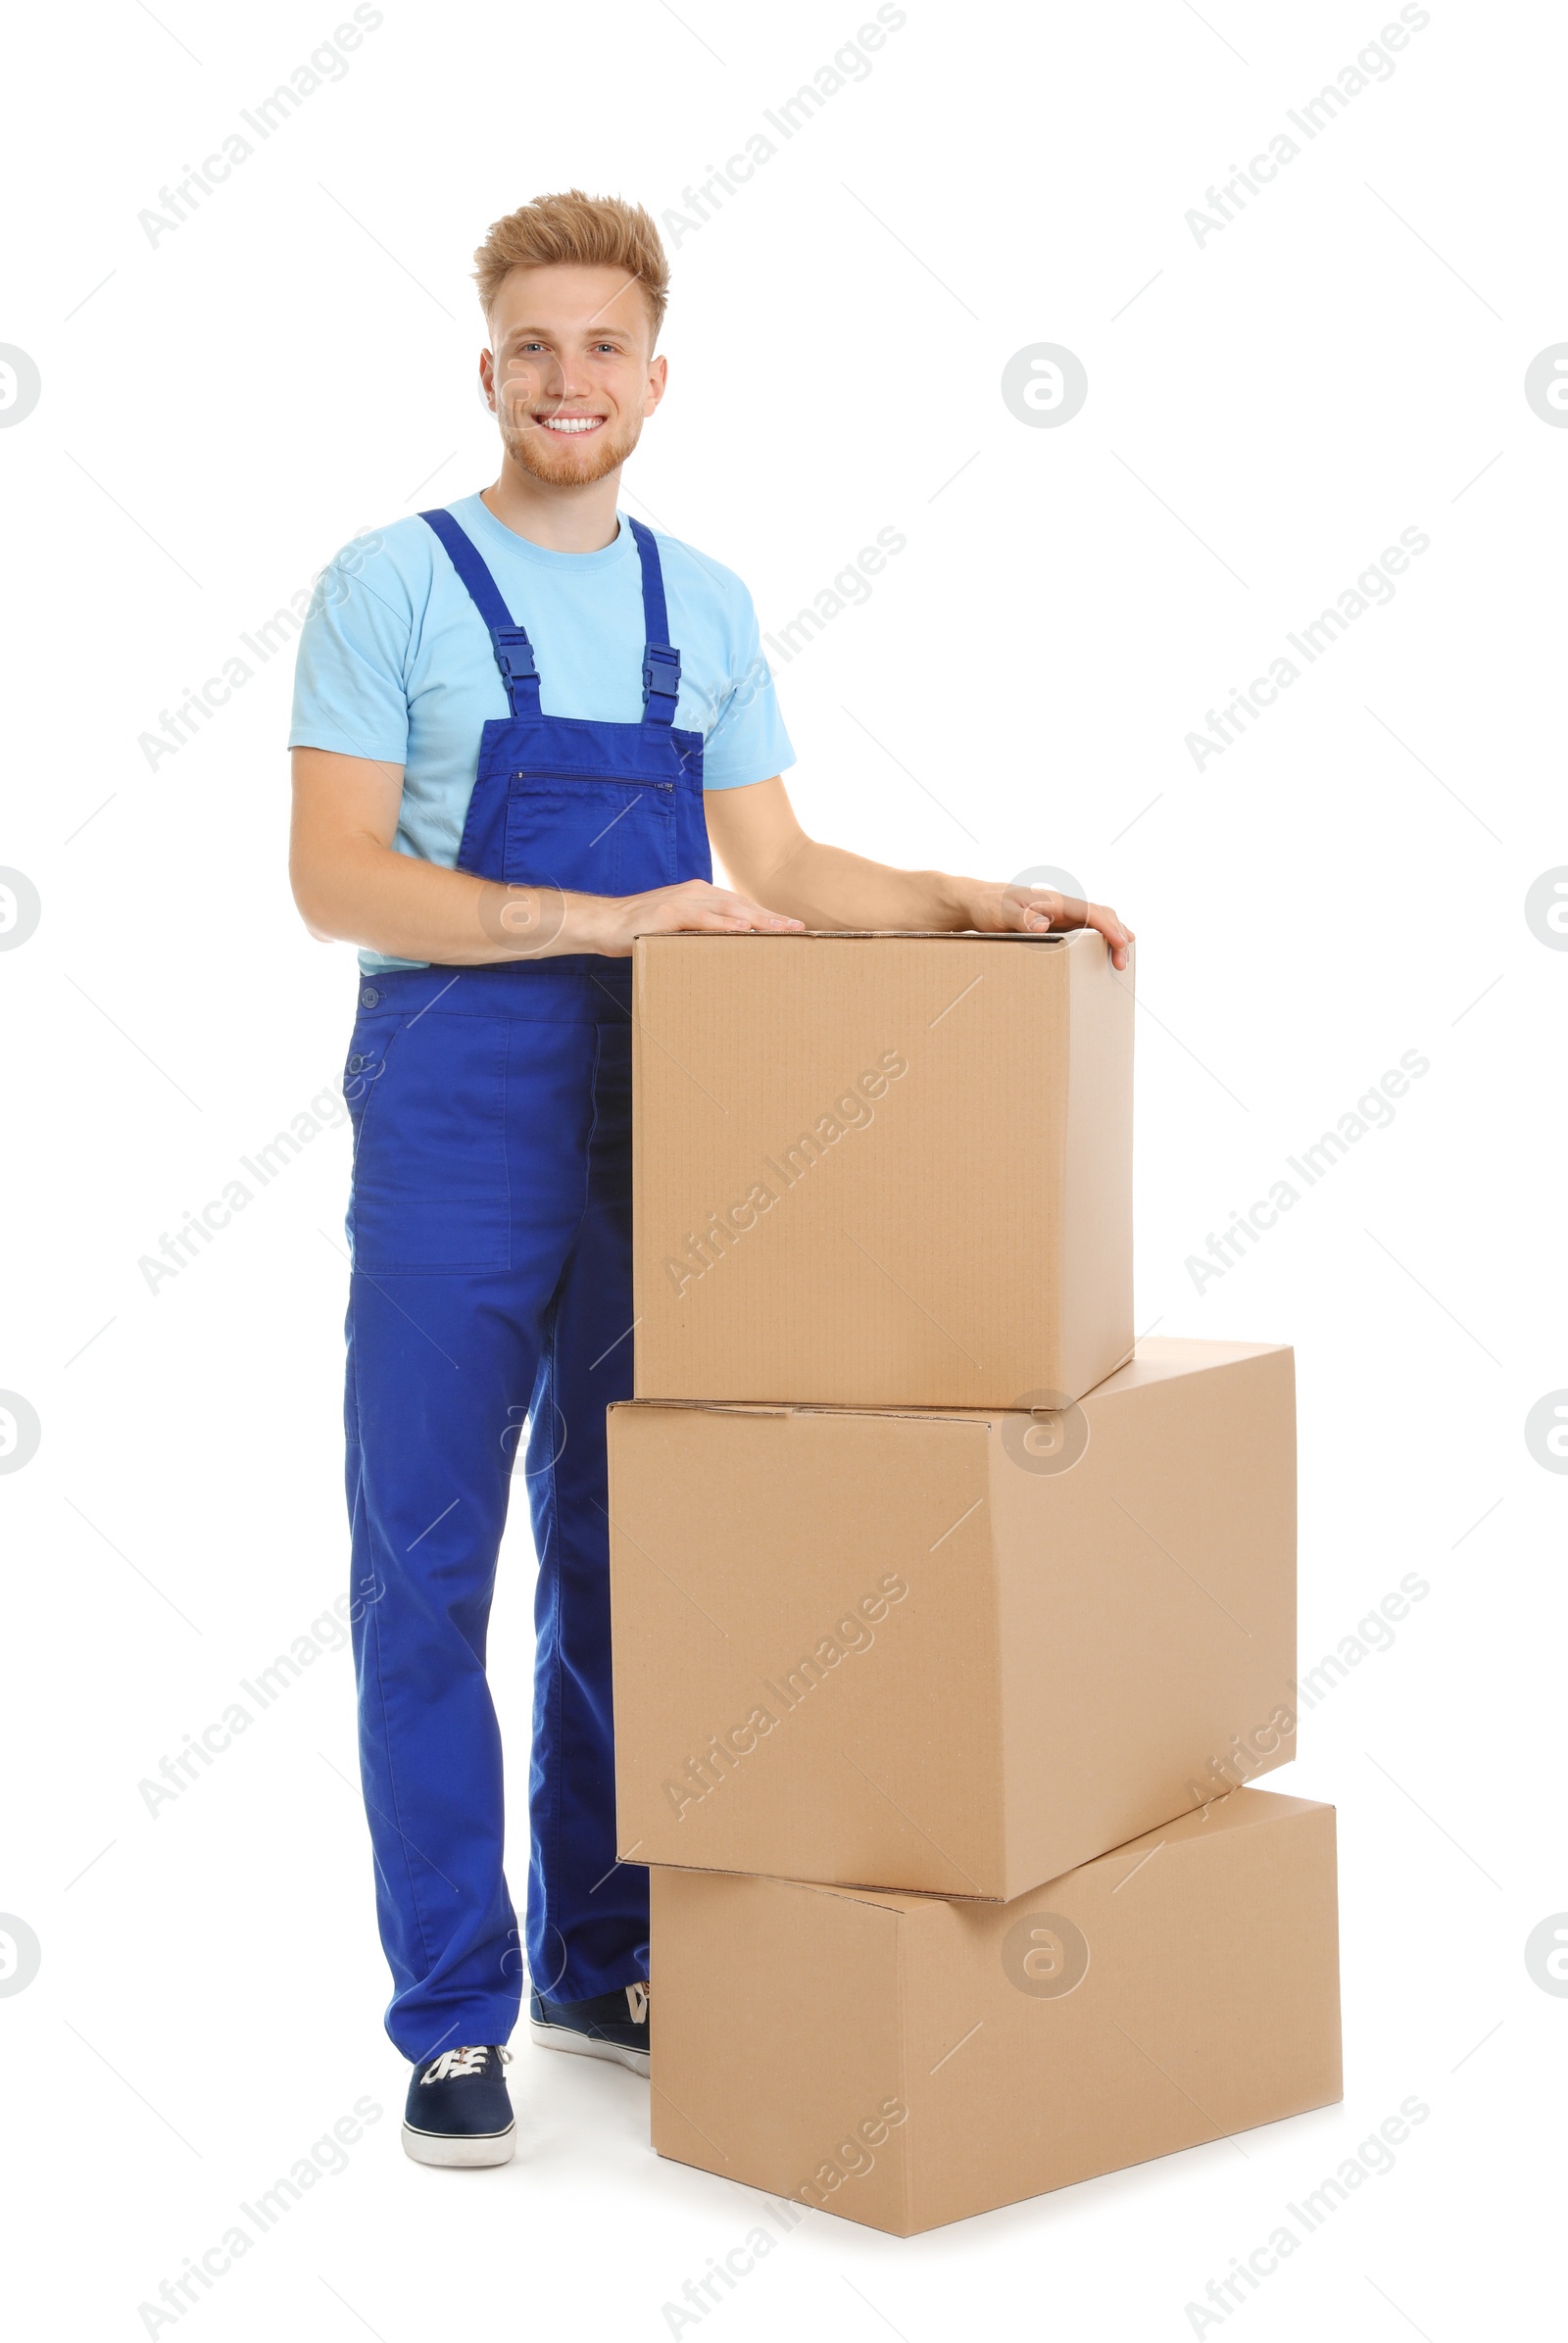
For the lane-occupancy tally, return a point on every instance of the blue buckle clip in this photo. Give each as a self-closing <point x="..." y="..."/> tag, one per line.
<point x="514" y="656"/>
<point x="661" y="661"/>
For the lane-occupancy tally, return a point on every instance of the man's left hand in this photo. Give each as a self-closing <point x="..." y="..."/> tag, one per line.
<point x="997" y="909"/>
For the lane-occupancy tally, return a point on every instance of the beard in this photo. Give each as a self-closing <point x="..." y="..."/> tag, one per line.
<point x="563" y="460"/>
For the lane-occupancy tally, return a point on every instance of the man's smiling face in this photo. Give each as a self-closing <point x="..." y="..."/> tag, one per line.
<point x="571" y="371"/>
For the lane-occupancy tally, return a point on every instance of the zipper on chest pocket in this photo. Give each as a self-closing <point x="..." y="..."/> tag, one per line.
<point x="607" y="780"/>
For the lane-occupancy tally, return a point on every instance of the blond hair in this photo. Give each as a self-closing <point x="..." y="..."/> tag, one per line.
<point x="576" y="230"/>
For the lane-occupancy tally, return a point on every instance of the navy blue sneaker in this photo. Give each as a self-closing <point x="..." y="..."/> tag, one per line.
<point x="611" y="2025"/>
<point x="458" y="2109"/>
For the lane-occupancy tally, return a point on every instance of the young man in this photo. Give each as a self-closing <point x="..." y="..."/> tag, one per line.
<point x="517" y="722"/>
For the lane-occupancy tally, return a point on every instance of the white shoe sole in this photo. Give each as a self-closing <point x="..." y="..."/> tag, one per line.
<point x="467" y="2150"/>
<point x="580" y="2045"/>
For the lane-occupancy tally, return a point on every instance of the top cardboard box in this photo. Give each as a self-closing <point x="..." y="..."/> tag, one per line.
<point x="881" y="1170"/>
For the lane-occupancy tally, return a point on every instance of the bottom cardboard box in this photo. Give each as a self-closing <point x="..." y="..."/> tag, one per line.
<point x="906" y="2060"/>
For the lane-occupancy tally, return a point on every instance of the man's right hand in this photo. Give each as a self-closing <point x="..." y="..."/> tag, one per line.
<point x="611" y="923"/>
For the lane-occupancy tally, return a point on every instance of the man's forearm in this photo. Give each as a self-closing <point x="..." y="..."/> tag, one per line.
<point x="761" y="842"/>
<point x="410" y="909"/>
<point x="826" y="887"/>
<point x="365" y="892"/>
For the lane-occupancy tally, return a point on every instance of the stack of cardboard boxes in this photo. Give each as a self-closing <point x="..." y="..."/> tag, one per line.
<point x="947" y="1621"/>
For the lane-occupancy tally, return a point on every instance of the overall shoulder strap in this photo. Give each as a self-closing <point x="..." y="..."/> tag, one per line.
<point x="660" y="661"/>
<point x="513" y="649"/>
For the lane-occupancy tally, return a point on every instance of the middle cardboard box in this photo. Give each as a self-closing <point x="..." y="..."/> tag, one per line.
<point x="957" y="1651"/>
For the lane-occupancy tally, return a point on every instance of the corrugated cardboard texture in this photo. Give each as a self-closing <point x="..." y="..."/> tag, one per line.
<point x="810" y="2050"/>
<point x="876" y="1647"/>
<point x="881" y="1169"/>
<point x="1209" y="2003"/>
<point x="1096" y="1268"/>
<point x="742" y="1550"/>
<point x="1147" y="1602"/>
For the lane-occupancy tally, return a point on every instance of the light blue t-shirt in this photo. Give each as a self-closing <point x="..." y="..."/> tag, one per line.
<point x="396" y="663"/>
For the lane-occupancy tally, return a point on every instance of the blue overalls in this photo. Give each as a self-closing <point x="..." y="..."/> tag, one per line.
<point x="490" y="1225"/>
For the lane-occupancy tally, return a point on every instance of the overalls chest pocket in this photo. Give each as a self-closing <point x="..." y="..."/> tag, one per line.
<point x="580" y="802"/>
<point x="589" y="836"/>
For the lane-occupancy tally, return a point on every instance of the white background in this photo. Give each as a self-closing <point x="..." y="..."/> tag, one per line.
<point x="1268" y="410"/>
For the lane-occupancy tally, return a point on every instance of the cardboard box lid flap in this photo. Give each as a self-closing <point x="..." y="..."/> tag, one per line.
<point x="899" y="1413"/>
<point x="891" y="935"/>
<point x="1240" y="1810"/>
